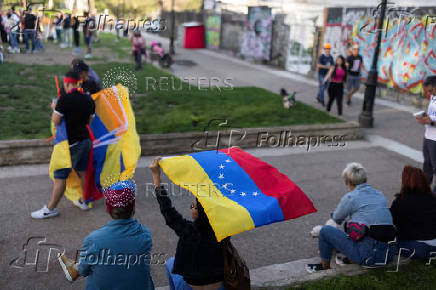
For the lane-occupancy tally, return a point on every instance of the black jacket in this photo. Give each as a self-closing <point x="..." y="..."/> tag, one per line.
<point x="415" y="216"/>
<point x="199" y="257"/>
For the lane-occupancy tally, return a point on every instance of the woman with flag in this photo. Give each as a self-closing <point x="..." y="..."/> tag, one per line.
<point x="71" y="115"/>
<point x="199" y="257"/>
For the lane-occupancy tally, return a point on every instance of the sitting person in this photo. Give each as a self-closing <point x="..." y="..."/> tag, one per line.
<point x="199" y="256"/>
<point x="366" y="209"/>
<point x="116" y="256"/>
<point x="414" y="214"/>
<point x="90" y="80"/>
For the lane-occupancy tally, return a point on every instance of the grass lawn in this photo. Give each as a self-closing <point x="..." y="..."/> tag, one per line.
<point x="26" y="92"/>
<point x="415" y="275"/>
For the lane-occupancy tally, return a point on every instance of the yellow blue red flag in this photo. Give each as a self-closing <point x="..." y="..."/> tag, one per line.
<point x="237" y="191"/>
<point x="115" y="151"/>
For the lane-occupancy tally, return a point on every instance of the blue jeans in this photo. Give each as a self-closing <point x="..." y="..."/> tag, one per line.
<point x="29" y="34"/>
<point x="422" y="250"/>
<point x="322" y="88"/>
<point x="176" y="281"/>
<point x="13" y="39"/>
<point x="366" y="252"/>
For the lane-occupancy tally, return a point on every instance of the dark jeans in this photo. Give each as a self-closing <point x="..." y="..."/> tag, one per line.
<point x="416" y="250"/>
<point x="336" y="92"/>
<point x="138" y="58"/>
<point x="29" y="34"/>
<point x="322" y="87"/>
<point x="429" y="166"/>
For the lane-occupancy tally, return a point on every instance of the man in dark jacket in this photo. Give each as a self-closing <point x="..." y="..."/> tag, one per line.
<point x="29" y="29"/>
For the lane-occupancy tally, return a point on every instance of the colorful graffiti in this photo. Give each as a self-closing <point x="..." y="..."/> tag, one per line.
<point x="258" y="33"/>
<point x="407" y="54"/>
<point x="213" y="30"/>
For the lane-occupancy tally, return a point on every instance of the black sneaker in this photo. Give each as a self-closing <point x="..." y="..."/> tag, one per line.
<point x="313" y="268"/>
<point x="349" y="103"/>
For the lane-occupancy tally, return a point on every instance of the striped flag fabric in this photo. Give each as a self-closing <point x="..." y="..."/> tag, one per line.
<point x="238" y="191"/>
<point x="115" y="146"/>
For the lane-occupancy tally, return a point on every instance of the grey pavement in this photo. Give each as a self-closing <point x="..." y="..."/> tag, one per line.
<point x="26" y="188"/>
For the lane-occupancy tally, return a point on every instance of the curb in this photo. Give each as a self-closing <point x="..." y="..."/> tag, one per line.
<point x="33" y="151"/>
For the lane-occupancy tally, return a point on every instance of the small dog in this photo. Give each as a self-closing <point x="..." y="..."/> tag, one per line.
<point x="316" y="229"/>
<point x="340" y="259"/>
<point x="288" y="100"/>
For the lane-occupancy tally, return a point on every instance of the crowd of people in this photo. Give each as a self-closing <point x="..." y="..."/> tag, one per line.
<point x="32" y="29"/>
<point x="338" y="77"/>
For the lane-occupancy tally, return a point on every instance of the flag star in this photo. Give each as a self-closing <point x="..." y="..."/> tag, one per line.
<point x="232" y="191"/>
<point x="255" y="193"/>
<point x="228" y="161"/>
<point x="221" y="176"/>
<point x="225" y="186"/>
<point x="243" y="193"/>
<point x="221" y="166"/>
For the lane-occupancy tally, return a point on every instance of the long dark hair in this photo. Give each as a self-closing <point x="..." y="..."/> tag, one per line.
<point x="342" y="66"/>
<point x="414" y="181"/>
<point x="202" y="222"/>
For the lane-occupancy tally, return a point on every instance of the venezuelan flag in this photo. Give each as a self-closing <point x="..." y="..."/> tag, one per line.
<point x="115" y="151"/>
<point x="237" y="191"/>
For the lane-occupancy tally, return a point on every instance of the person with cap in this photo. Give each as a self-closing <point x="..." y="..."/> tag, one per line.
<point x="77" y="109"/>
<point x="354" y="64"/>
<point x="325" y="62"/>
<point x="116" y="256"/>
<point x="199" y="259"/>
<point x="90" y="79"/>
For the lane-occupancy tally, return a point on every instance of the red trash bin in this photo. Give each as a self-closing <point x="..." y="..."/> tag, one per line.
<point x="194" y="35"/>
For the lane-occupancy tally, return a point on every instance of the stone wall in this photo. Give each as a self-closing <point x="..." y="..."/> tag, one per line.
<point x="280" y="41"/>
<point x="232" y="32"/>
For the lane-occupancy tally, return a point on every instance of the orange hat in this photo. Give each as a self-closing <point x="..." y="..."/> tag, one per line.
<point x="327" y="46"/>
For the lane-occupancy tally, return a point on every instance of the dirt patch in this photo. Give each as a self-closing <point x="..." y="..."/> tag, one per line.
<point x="53" y="55"/>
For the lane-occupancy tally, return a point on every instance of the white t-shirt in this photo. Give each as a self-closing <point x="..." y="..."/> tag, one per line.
<point x="430" y="131"/>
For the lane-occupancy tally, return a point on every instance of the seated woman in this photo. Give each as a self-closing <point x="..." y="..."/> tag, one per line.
<point x="199" y="257"/>
<point x="414" y="214"/>
<point x="364" y="207"/>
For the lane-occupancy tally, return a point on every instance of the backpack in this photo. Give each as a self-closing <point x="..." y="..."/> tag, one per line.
<point x="236" y="272"/>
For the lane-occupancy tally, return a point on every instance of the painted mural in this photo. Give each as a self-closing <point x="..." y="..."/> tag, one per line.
<point x="408" y="50"/>
<point x="258" y="33"/>
<point x="213" y="30"/>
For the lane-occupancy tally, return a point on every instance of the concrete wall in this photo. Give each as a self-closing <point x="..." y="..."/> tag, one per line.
<point x="16" y="152"/>
<point x="232" y="31"/>
<point x="280" y="41"/>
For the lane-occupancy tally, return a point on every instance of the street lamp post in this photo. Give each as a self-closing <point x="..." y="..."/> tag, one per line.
<point x="366" y="118"/>
<point x="173" y="25"/>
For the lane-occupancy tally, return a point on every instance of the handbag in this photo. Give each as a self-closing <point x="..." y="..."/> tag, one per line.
<point x="356" y="231"/>
<point x="236" y="272"/>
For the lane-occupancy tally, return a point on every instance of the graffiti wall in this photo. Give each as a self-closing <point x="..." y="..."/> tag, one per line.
<point x="407" y="53"/>
<point x="408" y="46"/>
<point x="213" y="30"/>
<point x="258" y="33"/>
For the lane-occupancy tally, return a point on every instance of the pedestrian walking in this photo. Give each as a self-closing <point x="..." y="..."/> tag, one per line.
<point x="354" y="65"/>
<point x="325" y="62"/>
<point x="77" y="109"/>
<point x="58" y="22"/>
<point x="138" y="48"/>
<point x="87" y="33"/>
<point x="337" y="76"/>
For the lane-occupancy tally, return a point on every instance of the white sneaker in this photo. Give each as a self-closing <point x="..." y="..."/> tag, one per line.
<point x="88" y="55"/>
<point x="81" y="205"/>
<point x="17" y="50"/>
<point x="44" y="213"/>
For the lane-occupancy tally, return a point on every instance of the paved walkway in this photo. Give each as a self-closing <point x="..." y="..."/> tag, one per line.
<point x="394" y="142"/>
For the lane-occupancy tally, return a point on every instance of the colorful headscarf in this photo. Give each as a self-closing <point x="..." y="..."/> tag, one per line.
<point x="120" y="195"/>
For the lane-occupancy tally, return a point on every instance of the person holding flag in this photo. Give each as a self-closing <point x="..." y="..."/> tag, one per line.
<point x="72" y="113"/>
